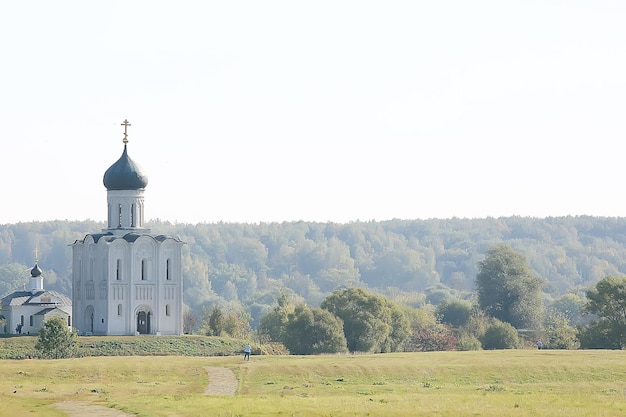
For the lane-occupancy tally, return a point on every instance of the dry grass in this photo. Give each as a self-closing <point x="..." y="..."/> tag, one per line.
<point x="496" y="383"/>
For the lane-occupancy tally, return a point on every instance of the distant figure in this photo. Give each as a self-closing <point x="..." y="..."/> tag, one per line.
<point x="539" y="344"/>
<point x="18" y="329"/>
<point x="246" y="352"/>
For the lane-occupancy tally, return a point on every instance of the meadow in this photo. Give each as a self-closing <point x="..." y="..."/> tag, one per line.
<point x="478" y="383"/>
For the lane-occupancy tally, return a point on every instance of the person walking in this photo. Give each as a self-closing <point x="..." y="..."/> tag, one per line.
<point x="246" y="352"/>
<point x="539" y="344"/>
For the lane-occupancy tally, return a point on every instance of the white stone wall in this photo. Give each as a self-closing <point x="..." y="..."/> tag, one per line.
<point x="13" y="315"/>
<point x="141" y="283"/>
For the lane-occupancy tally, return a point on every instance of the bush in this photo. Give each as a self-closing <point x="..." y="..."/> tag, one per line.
<point x="455" y="312"/>
<point x="559" y="334"/>
<point x="55" y="340"/>
<point x="431" y="337"/>
<point x="468" y="341"/>
<point x="500" y="335"/>
<point x="598" y="335"/>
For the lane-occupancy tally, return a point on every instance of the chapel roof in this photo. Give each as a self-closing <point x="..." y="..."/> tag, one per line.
<point x="48" y="310"/>
<point x="19" y="298"/>
<point x="36" y="271"/>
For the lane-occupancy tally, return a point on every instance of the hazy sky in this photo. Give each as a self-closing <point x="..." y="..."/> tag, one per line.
<point x="249" y="111"/>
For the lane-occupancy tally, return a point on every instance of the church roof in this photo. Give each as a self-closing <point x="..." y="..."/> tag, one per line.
<point x="125" y="174"/>
<point x="45" y="297"/>
<point x="36" y="271"/>
<point x="48" y="310"/>
<point x="129" y="237"/>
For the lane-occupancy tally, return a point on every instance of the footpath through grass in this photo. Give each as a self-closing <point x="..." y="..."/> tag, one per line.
<point x="481" y="383"/>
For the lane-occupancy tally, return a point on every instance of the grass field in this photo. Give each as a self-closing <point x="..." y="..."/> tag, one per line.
<point x="479" y="383"/>
<point x="22" y="347"/>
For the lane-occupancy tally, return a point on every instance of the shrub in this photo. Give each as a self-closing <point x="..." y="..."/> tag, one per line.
<point x="455" y="312"/>
<point x="55" y="340"/>
<point x="500" y="335"/>
<point x="431" y="337"/>
<point x="468" y="341"/>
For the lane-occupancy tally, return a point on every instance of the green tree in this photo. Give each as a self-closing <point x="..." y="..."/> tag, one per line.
<point x="500" y="335"/>
<point x="13" y="277"/>
<point x="273" y="324"/>
<point x="189" y="321"/>
<point x="237" y="324"/>
<point x="571" y="306"/>
<point x="454" y="312"/>
<point x="228" y="321"/>
<point x="559" y="334"/>
<point x="607" y="300"/>
<point x="467" y="341"/>
<point x="471" y="333"/>
<point x="56" y="340"/>
<point x="477" y="323"/>
<point x="371" y="322"/>
<point x="312" y="331"/>
<point x="508" y="290"/>
<point x="215" y="322"/>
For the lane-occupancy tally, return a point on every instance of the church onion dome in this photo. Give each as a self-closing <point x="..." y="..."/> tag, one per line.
<point x="36" y="271"/>
<point x="125" y="174"/>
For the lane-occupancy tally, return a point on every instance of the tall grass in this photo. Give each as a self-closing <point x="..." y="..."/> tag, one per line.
<point x="480" y="383"/>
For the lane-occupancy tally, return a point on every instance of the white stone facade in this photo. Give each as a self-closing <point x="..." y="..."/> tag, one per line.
<point x="127" y="285"/>
<point x="24" y="312"/>
<point x="127" y="281"/>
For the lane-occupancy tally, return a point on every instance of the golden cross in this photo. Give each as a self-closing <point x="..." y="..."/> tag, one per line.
<point x="125" y="124"/>
<point x="36" y="255"/>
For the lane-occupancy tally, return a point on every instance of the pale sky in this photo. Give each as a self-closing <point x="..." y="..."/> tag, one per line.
<point x="262" y="111"/>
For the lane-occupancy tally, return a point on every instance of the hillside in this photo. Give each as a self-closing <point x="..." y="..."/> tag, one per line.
<point x="417" y="260"/>
<point x="22" y="347"/>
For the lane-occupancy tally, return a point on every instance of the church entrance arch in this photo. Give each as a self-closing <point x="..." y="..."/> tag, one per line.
<point x="144" y="316"/>
<point x="89" y="319"/>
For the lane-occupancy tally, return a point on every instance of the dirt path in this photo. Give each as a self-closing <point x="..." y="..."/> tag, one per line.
<point x="222" y="381"/>
<point x="85" y="409"/>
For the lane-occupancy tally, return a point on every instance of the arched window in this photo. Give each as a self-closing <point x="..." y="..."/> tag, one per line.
<point x="144" y="269"/>
<point x="168" y="269"/>
<point x="132" y="215"/>
<point x="118" y="270"/>
<point x="69" y="321"/>
<point x="119" y="215"/>
<point x="119" y="309"/>
<point x="167" y="310"/>
<point x="31" y="321"/>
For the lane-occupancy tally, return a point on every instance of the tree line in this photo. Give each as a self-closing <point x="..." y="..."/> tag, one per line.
<point x="245" y="268"/>
<point x="508" y="300"/>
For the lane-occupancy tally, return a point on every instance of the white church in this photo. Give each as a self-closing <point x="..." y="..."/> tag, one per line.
<point x="24" y="312"/>
<point x="127" y="281"/>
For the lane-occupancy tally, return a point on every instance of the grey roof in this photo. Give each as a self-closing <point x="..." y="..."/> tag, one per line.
<point x="129" y="237"/>
<point x="48" y="310"/>
<point x="125" y="174"/>
<point x="19" y="298"/>
<point x="36" y="271"/>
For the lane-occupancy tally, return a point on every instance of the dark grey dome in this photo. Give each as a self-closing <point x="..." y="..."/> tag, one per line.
<point x="36" y="271"/>
<point x="125" y="174"/>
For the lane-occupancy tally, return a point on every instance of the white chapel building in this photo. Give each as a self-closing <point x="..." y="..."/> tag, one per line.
<point x="127" y="281"/>
<point x="25" y="312"/>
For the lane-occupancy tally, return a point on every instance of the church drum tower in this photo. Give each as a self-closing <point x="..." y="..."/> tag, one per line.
<point x="127" y="281"/>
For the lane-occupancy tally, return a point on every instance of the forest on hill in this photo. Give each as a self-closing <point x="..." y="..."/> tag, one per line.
<point x="414" y="262"/>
